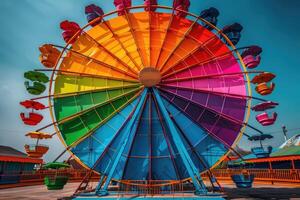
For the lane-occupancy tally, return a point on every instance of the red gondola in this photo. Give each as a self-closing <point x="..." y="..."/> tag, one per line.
<point x="181" y="5"/>
<point x="264" y="106"/>
<point x="149" y="3"/>
<point x="121" y="5"/>
<point x="32" y="120"/>
<point x="33" y="105"/>
<point x="69" y="30"/>
<point x="49" y="55"/>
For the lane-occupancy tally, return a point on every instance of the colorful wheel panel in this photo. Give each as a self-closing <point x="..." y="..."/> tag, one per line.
<point x="115" y="82"/>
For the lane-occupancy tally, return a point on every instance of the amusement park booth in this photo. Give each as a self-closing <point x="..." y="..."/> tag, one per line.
<point x="13" y="163"/>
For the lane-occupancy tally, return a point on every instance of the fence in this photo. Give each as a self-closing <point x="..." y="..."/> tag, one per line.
<point x="36" y="177"/>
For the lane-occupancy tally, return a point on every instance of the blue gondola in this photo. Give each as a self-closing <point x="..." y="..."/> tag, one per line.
<point x="92" y="12"/>
<point x="233" y="32"/>
<point x="210" y="15"/>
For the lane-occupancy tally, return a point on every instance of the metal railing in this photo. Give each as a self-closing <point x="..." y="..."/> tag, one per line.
<point x="156" y="186"/>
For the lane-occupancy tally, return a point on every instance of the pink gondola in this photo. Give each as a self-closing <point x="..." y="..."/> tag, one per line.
<point x="181" y="5"/>
<point x="69" y="30"/>
<point x="121" y="5"/>
<point x="264" y="106"/>
<point x="265" y="120"/>
<point x="149" y="3"/>
<point x="32" y="120"/>
<point x="251" y="56"/>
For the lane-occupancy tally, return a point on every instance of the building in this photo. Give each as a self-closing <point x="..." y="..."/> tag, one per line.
<point x="13" y="163"/>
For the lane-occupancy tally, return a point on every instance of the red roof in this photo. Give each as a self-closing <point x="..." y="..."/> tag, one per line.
<point x="9" y="154"/>
<point x="20" y="159"/>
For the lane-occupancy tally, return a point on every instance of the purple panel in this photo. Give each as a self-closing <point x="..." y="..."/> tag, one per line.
<point x="210" y="121"/>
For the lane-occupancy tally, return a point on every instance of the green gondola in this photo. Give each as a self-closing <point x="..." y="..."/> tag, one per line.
<point x="58" y="179"/>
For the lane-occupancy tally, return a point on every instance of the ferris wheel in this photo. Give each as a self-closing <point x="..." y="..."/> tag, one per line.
<point x="153" y="96"/>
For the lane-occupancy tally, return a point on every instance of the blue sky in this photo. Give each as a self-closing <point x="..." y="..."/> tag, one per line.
<point x="27" y="24"/>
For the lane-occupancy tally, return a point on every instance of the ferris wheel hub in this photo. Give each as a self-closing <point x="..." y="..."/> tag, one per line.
<point x="149" y="76"/>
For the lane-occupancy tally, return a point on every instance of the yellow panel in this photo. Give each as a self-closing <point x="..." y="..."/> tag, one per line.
<point x="70" y="84"/>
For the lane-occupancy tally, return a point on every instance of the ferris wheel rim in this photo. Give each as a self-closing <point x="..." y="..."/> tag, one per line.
<point x="163" y="7"/>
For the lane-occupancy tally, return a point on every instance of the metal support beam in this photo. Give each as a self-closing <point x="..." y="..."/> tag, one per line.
<point x="187" y="161"/>
<point x="127" y="136"/>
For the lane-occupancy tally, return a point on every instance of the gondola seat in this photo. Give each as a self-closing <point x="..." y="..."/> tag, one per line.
<point x="32" y="119"/>
<point x="210" y="15"/>
<point x="264" y="88"/>
<point x="181" y="5"/>
<point x="233" y="32"/>
<point x="251" y="61"/>
<point x="49" y="55"/>
<point x="243" y="180"/>
<point x="265" y="120"/>
<point x="69" y="30"/>
<point x="93" y="12"/>
<point x="36" y="151"/>
<point x="121" y="5"/>
<point x="149" y="3"/>
<point x="36" y="88"/>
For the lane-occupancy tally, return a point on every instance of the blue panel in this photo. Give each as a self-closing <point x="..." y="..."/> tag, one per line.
<point x="207" y="148"/>
<point x="89" y="150"/>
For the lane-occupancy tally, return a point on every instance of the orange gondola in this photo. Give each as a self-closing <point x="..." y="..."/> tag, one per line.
<point x="264" y="88"/>
<point x="37" y="150"/>
<point x="49" y="55"/>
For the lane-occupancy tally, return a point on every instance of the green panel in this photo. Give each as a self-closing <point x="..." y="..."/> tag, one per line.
<point x="100" y="97"/>
<point x="119" y="102"/>
<point x="115" y="93"/>
<point x="67" y="106"/>
<point x="84" y="102"/>
<point x="91" y="119"/>
<point x="72" y="130"/>
<point x="64" y="107"/>
<point x="86" y="122"/>
<point x="105" y="111"/>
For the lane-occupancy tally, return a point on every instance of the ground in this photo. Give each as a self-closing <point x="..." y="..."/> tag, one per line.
<point x="260" y="191"/>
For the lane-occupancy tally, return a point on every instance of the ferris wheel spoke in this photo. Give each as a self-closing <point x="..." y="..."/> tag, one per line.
<point x="122" y="45"/>
<point x="111" y="54"/>
<point x="73" y="139"/>
<point x="94" y="60"/>
<point x="238" y="96"/>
